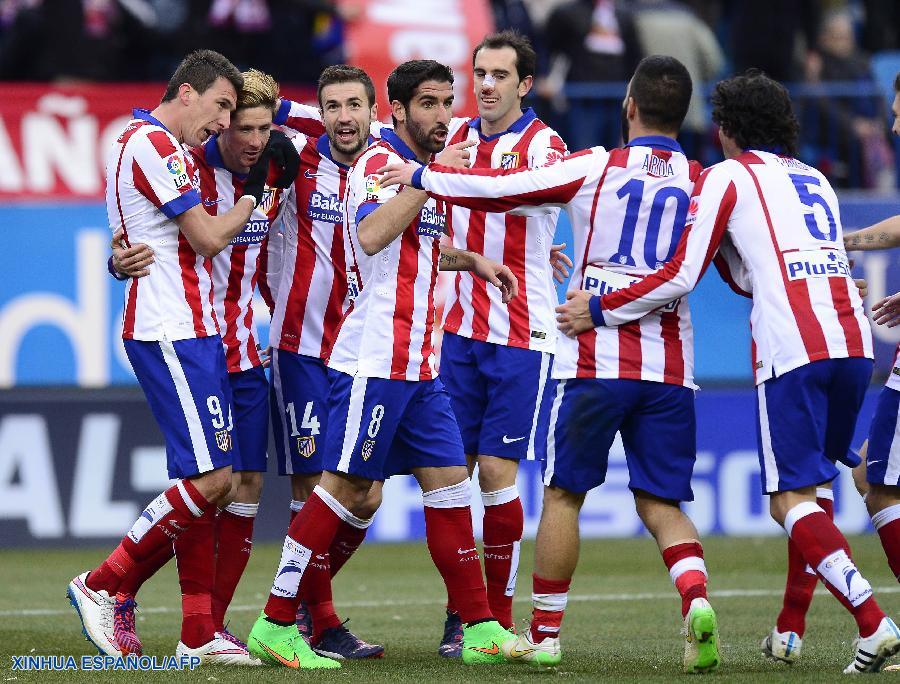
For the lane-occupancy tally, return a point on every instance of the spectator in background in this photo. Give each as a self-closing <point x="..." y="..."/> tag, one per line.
<point x="666" y="27"/>
<point x="849" y="130"/>
<point x="881" y="28"/>
<point x="590" y="41"/>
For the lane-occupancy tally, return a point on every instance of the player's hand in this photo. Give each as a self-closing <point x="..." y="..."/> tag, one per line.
<point x="284" y="156"/>
<point x="265" y="356"/>
<point x="887" y="311"/>
<point x="397" y="174"/>
<point x="574" y="317"/>
<point x="862" y="286"/>
<point x="560" y="262"/>
<point x="131" y="261"/>
<point x="456" y="155"/>
<point x="498" y="275"/>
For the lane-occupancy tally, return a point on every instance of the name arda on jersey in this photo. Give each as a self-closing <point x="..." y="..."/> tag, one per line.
<point x="328" y="208"/>
<point x="657" y="167"/>
<point x="431" y="223"/>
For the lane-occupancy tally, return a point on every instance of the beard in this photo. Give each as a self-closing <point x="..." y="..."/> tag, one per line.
<point x="360" y="143"/>
<point x="624" y="125"/>
<point x="422" y="138"/>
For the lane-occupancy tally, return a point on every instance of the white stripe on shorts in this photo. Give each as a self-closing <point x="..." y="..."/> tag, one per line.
<point x="542" y="382"/>
<point x="282" y="411"/>
<point x="769" y="465"/>
<point x="551" y="432"/>
<point x="892" y="472"/>
<point x="354" y="421"/>
<point x="188" y="407"/>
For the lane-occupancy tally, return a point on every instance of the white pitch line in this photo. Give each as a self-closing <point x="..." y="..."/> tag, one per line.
<point x="585" y="598"/>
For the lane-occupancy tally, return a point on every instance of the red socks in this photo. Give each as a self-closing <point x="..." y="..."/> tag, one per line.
<point x="451" y="542"/>
<point x="548" y="600"/>
<point x="144" y="570"/>
<point x="234" y="542"/>
<point x="887" y="524"/>
<point x="195" y="555"/>
<point x="827" y="552"/>
<point x="503" y="524"/>
<point x="164" y="519"/>
<point x="349" y="537"/>
<point x="687" y="570"/>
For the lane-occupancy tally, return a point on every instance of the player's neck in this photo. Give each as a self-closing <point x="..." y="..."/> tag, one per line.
<point x="638" y="130"/>
<point x="231" y="162"/>
<point x="345" y="158"/>
<point x="167" y="115"/>
<point x="422" y="155"/>
<point x="489" y="128"/>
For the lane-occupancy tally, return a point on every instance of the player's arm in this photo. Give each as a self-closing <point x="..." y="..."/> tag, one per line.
<point x="128" y="261"/>
<point x="498" y="190"/>
<point x="732" y="269"/>
<point x="497" y="274"/>
<point x="299" y="117"/>
<point x="883" y="235"/>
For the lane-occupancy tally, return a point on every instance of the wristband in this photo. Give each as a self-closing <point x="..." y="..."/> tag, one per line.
<point x="417" y="178"/>
<point x="596" y="311"/>
<point x="249" y="197"/>
<point x="113" y="272"/>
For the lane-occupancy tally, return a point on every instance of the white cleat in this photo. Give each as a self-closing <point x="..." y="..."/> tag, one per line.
<point x="521" y="649"/>
<point x="97" y="612"/>
<point x="782" y="646"/>
<point x="873" y="651"/>
<point x="219" y="651"/>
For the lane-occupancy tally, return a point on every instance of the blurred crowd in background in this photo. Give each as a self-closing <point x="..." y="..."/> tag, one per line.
<point x="839" y="57"/>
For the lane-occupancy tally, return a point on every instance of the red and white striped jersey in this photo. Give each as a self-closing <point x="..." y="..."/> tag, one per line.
<point x="237" y="268"/>
<point x="627" y="209"/>
<point x="318" y="276"/>
<point x="388" y="331"/>
<point x="785" y="248"/>
<point x="473" y="308"/>
<point x="893" y="380"/>
<point x="151" y="179"/>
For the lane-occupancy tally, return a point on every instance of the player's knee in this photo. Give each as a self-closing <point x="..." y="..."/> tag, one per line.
<point x="654" y="511"/>
<point x="556" y="497"/>
<point x="370" y="505"/>
<point x="215" y="485"/>
<point x="250" y="484"/>
<point x="881" y="497"/>
<point x="496" y="473"/>
<point x="302" y="486"/>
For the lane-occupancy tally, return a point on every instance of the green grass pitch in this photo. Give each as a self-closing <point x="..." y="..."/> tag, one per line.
<point x="622" y="623"/>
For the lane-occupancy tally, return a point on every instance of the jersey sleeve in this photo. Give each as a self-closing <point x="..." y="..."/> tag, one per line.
<point x="732" y="268"/>
<point x="368" y="186"/>
<point x="710" y="208"/>
<point x="550" y="150"/>
<point x="162" y="174"/>
<point x="498" y="190"/>
<point x="299" y="117"/>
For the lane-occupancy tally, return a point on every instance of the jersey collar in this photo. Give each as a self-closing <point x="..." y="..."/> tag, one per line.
<point x="659" y="142"/>
<point x="145" y="115"/>
<point x="391" y="138"/>
<point x="517" y="126"/>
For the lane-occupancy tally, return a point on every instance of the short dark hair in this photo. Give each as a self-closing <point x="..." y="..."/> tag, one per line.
<point x="526" y="59"/>
<point x="661" y="88"/>
<point x="404" y="80"/>
<point x="897" y="82"/>
<point x="755" y="111"/>
<point x="344" y="73"/>
<point x="200" y="69"/>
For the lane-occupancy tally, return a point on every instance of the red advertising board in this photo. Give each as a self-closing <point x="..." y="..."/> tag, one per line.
<point x="389" y="32"/>
<point x="54" y="138"/>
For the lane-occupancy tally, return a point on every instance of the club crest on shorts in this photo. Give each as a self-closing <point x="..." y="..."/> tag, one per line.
<point x="306" y="446"/>
<point x="509" y="160"/>
<point x="367" y="448"/>
<point x="223" y="440"/>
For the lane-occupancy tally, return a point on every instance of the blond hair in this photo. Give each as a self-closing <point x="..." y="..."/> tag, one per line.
<point x="260" y="90"/>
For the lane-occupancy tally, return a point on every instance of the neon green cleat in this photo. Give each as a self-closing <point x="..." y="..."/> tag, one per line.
<point x="521" y="649"/>
<point x="701" y="630"/>
<point x="481" y="643"/>
<point x="283" y="645"/>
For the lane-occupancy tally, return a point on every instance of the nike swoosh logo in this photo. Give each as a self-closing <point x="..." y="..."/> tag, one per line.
<point x="515" y="653"/>
<point x="295" y="663"/>
<point x="879" y="460"/>
<point x="211" y="203"/>
<point x="510" y="440"/>
<point x="493" y="650"/>
<point x="464" y="551"/>
<point x="307" y="174"/>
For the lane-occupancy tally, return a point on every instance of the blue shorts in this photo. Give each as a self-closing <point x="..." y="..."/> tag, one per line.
<point x="186" y="384"/>
<point x="250" y="398"/>
<point x="501" y="396"/>
<point x="883" y="457"/>
<point x="299" y="400"/>
<point x="805" y="420"/>
<point x="385" y="427"/>
<point x="658" y="427"/>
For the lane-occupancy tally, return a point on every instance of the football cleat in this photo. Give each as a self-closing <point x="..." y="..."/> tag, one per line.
<point x="304" y="622"/>
<point x="701" y="632"/>
<point x="521" y="649"/>
<point x="228" y="636"/>
<point x="782" y="646"/>
<point x="873" y="651"/>
<point x="220" y="651"/>
<point x="340" y="643"/>
<point x="96" y="611"/>
<point x="123" y="626"/>
<point x="283" y="645"/>
<point x="451" y="643"/>
<point x="481" y="643"/>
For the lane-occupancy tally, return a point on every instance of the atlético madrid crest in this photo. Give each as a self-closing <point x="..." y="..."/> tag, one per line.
<point x="223" y="440"/>
<point x="509" y="160"/>
<point x="367" y="448"/>
<point x="306" y="446"/>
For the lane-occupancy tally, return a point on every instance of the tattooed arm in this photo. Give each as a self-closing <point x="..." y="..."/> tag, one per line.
<point x="883" y="235"/>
